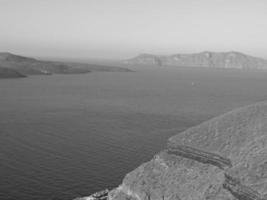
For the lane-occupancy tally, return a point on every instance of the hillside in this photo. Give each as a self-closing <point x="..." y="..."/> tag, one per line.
<point x="100" y="67"/>
<point x="223" y="158"/>
<point x="235" y="60"/>
<point x="10" y="73"/>
<point x="31" y="66"/>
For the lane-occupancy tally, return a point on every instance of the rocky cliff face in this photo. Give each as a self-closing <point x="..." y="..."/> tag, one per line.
<point x="204" y="59"/>
<point x="224" y="158"/>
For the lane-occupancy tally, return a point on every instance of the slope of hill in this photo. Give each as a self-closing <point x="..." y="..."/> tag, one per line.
<point x="31" y="66"/>
<point x="10" y="73"/>
<point x="224" y="158"/>
<point x="204" y="59"/>
<point x="100" y="67"/>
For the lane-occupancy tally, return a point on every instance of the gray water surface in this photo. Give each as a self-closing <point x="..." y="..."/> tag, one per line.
<point x="64" y="136"/>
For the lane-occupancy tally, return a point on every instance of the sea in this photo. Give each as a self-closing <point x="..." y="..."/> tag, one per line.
<point x="65" y="136"/>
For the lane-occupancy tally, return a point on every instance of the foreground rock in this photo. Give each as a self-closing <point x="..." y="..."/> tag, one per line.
<point x="223" y="159"/>
<point x="204" y="59"/>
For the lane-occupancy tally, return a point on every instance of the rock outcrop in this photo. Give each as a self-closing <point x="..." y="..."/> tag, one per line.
<point x="233" y="59"/>
<point x="240" y="191"/>
<point x="224" y="159"/>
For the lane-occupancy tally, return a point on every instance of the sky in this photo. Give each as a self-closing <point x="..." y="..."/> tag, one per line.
<point x="112" y="29"/>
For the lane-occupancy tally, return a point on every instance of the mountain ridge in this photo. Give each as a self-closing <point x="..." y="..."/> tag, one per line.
<point x="230" y="59"/>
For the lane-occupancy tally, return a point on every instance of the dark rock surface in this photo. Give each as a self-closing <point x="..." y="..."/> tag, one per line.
<point x="233" y="59"/>
<point x="224" y="158"/>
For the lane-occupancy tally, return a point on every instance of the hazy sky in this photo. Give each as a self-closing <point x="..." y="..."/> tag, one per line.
<point x="123" y="28"/>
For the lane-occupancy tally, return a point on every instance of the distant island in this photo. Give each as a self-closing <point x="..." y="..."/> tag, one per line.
<point x="12" y="66"/>
<point x="225" y="60"/>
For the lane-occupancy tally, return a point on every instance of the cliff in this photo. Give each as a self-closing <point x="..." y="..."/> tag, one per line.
<point x="232" y="59"/>
<point x="224" y="158"/>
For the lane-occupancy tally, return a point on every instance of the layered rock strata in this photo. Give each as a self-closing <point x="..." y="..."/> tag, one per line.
<point x="201" y="156"/>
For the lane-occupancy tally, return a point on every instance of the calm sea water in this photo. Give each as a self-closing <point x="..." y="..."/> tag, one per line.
<point x="64" y="136"/>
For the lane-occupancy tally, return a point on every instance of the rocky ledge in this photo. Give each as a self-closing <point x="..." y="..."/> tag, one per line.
<point x="200" y="156"/>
